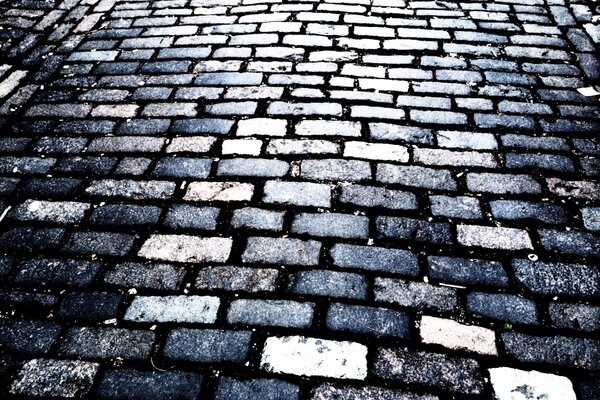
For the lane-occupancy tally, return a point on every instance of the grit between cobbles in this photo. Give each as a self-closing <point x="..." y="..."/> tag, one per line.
<point x="303" y="199"/>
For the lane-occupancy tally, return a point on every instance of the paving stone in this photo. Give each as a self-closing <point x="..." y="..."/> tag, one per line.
<point x="503" y="307"/>
<point x="456" y="336"/>
<point x="105" y="343"/>
<point x="237" y="279"/>
<point x="493" y="237"/>
<point x="516" y="210"/>
<point x="193" y="309"/>
<point x="416" y="176"/>
<point x="268" y="389"/>
<point x="371" y="196"/>
<point x="252" y="167"/>
<point x="375" y="259"/>
<point x="101" y="243"/>
<point x="507" y="381"/>
<point x="329" y="391"/>
<point x="184" y="216"/>
<point x="380" y="322"/>
<point x="281" y="251"/>
<point x="57" y="212"/>
<point x="116" y="214"/>
<point x="28" y="336"/>
<point x="570" y="242"/>
<point x="331" y="225"/>
<point x="335" y="169"/>
<point x="455" y="207"/>
<point x="61" y="378"/>
<point x="219" y="191"/>
<point x="184" y="248"/>
<point x="415" y="294"/>
<point x="581" y="317"/>
<point x="129" y="383"/>
<point x="131" y="189"/>
<point x="557" y="350"/>
<point x="256" y="218"/>
<point x="97" y="306"/>
<point x="557" y="278"/>
<point x="207" y="345"/>
<point x="307" y="356"/>
<point x="467" y="271"/>
<point x="285" y="313"/>
<point x="462" y="375"/>
<point x="413" y="229"/>
<point x="329" y="283"/>
<point x="151" y="276"/>
<point x="328" y="128"/>
<point x="70" y="273"/>
<point x="297" y="193"/>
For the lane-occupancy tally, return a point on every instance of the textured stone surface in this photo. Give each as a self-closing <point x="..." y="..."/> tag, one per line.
<point x="510" y="382"/>
<point x="309" y="356"/>
<point x="56" y="378"/>
<point x="182" y="180"/>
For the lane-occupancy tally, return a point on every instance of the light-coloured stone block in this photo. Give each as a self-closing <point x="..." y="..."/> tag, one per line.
<point x="455" y="336"/>
<point x="185" y="248"/>
<point x="516" y="384"/>
<point x="298" y="355"/>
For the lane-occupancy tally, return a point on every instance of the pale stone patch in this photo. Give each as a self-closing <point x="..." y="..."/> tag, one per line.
<point x="55" y="378"/>
<point x="249" y="147"/>
<point x="455" y="336"/>
<point x="516" y="384"/>
<point x="492" y="237"/>
<point x="10" y="83"/>
<point x="376" y="151"/>
<point x="195" y="309"/>
<point x="185" y="248"/>
<point x="387" y="85"/>
<point x="196" y="144"/>
<point x="298" y="355"/>
<point x="219" y="191"/>
<point x="53" y="211"/>
<point x="327" y="128"/>
<point x="115" y="111"/>
<point x="261" y="127"/>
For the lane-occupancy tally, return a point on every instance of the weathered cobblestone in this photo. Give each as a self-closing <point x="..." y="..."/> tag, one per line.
<point x="241" y="199"/>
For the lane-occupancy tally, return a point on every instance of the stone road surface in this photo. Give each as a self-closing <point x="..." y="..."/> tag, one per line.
<point x="303" y="199"/>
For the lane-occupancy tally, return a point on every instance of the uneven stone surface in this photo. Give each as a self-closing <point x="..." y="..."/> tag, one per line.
<point x="308" y="356"/>
<point x="510" y="383"/>
<point x="186" y="183"/>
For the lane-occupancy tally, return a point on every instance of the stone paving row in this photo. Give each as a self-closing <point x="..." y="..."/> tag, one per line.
<point x="308" y="199"/>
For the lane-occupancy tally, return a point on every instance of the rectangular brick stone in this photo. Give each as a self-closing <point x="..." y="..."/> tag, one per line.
<point x="331" y="225"/>
<point x="335" y="169"/>
<point x="380" y="322"/>
<point x="282" y="251"/>
<point x="219" y="191"/>
<point x="416" y="176"/>
<point x="502" y="183"/>
<point x="237" y="279"/>
<point x="192" y="309"/>
<point x="182" y="248"/>
<point x="285" y="313"/>
<point x="207" y="345"/>
<point x="375" y="259"/>
<point x="462" y="375"/>
<point x="307" y="356"/>
<point x="297" y="193"/>
<point x="417" y="295"/>
<point x="492" y="237"/>
<point x="455" y="336"/>
<point x="327" y="128"/>
<point x="106" y="343"/>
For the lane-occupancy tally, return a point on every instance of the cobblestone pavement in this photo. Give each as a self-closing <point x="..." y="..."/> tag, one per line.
<point x="322" y="199"/>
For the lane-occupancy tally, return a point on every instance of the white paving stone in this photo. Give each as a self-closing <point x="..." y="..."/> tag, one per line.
<point x="10" y="83"/>
<point x="185" y="248"/>
<point x="327" y="128"/>
<point x="198" y="309"/>
<point x="492" y="237"/>
<point x="376" y="151"/>
<point x="298" y="355"/>
<point x="516" y="384"/>
<point x="219" y="191"/>
<point x="261" y="127"/>
<point x="249" y="147"/>
<point x="455" y="336"/>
